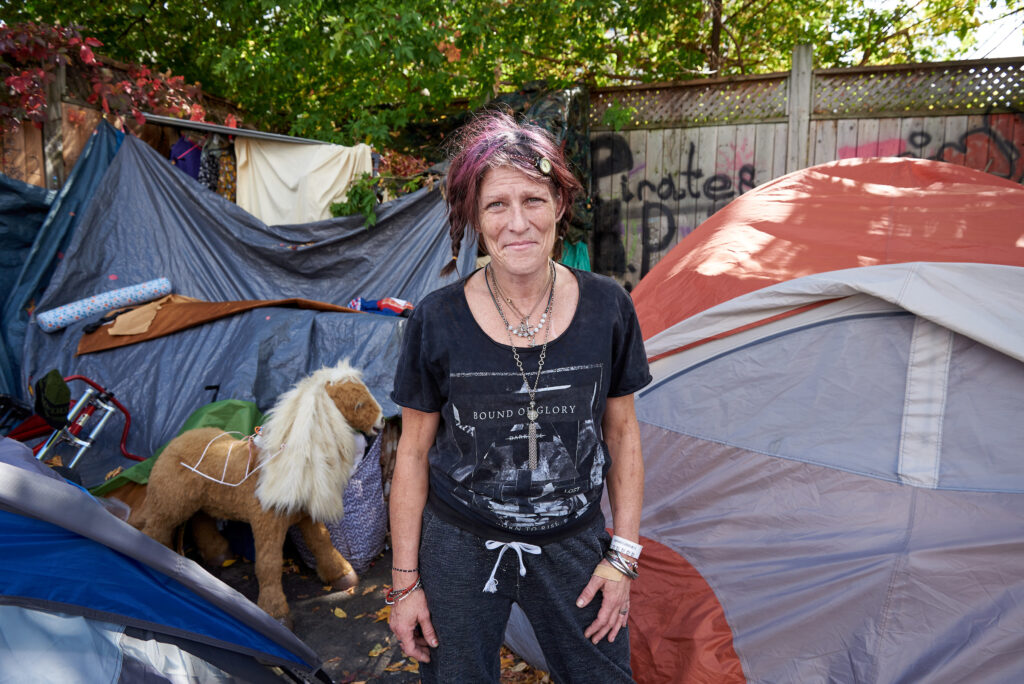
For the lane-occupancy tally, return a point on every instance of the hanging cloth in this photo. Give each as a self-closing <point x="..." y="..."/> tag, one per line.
<point x="284" y="183"/>
<point x="576" y="255"/>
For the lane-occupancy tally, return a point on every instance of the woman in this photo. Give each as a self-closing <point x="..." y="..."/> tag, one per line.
<point x="516" y="386"/>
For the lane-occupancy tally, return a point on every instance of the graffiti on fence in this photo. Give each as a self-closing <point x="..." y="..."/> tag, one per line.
<point x="989" y="147"/>
<point x="657" y="211"/>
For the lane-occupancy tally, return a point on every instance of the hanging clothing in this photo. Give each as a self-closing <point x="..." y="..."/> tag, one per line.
<point x="227" y="180"/>
<point x="284" y="183"/>
<point x="209" y="162"/>
<point x="186" y="155"/>
<point x="576" y="255"/>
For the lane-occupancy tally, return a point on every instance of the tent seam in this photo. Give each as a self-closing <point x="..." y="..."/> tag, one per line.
<point x="899" y="564"/>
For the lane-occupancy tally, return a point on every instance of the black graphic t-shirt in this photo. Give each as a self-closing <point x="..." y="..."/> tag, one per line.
<point x="480" y="477"/>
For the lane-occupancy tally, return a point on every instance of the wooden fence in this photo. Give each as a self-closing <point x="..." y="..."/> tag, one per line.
<point x="692" y="147"/>
<point x="22" y="152"/>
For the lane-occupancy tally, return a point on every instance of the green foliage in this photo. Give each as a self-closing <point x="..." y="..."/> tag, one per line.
<point x="362" y="70"/>
<point x="364" y="192"/>
<point x="618" y="115"/>
<point x="360" y="198"/>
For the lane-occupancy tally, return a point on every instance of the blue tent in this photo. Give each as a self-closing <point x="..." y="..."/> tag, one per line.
<point x="85" y="597"/>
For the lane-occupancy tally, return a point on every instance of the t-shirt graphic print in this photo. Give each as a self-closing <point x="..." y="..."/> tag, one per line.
<point x="490" y="440"/>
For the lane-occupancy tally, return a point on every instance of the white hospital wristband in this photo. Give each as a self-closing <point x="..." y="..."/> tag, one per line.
<point x="627" y="547"/>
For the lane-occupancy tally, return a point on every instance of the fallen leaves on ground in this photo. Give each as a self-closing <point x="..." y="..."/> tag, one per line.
<point x="338" y="612"/>
<point x="383" y="614"/>
<point x="515" y="670"/>
<point x="377" y="649"/>
<point x="371" y="588"/>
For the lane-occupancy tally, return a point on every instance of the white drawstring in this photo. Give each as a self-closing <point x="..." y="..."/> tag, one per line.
<point x="492" y="584"/>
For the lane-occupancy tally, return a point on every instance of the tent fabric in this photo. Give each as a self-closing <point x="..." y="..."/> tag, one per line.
<point x="48" y="247"/>
<point x="831" y="439"/>
<point x="285" y="183"/>
<point x="64" y="553"/>
<point x="830" y="217"/>
<point x="979" y="300"/>
<point x="147" y="220"/>
<point x="23" y="208"/>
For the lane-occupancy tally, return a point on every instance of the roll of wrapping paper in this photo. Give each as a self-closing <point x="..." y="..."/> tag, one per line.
<point x="63" y="316"/>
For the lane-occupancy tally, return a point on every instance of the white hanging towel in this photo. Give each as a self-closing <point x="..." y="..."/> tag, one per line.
<point x="282" y="183"/>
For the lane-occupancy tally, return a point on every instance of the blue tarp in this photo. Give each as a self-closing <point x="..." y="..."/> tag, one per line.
<point x="148" y="221"/>
<point x="23" y="209"/>
<point x="35" y="265"/>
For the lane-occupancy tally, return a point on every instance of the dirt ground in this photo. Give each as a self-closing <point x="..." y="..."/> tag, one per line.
<point x="348" y="629"/>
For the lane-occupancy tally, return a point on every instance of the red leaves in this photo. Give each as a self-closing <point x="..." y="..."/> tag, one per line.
<point x="85" y="52"/>
<point x="31" y="53"/>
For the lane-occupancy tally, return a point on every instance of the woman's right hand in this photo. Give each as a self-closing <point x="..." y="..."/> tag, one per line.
<point x="410" y="622"/>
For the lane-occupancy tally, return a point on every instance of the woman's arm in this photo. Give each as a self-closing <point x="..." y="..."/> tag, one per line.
<point x="626" y="473"/>
<point x="625" y="494"/>
<point x="408" y="497"/>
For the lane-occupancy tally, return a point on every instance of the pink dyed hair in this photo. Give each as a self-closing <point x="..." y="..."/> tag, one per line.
<point x="494" y="139"/>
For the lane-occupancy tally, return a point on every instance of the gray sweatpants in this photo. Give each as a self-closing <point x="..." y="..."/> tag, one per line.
<point x="455" y="566"/>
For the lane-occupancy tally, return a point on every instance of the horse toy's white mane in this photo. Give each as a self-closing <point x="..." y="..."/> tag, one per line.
<point x="307" y="448"/>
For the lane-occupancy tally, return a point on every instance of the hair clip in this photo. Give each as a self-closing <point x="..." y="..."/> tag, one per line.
<point x="541" y="163"/>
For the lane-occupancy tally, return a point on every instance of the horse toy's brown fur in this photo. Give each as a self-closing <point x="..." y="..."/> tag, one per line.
<point x="294" y="472"/>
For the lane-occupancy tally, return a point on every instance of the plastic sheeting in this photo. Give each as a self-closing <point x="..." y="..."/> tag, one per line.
<point x="149" y="221"/>
<point x="49" y="243"/>
<point x="23" y="209"/>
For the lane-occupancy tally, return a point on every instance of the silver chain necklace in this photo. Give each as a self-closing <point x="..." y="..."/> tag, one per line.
<point x="524" y="329"/>
<point x="531" y="413"/>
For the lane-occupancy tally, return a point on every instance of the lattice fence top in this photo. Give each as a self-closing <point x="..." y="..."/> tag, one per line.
<point x="699" y="103"/>
<point x="914" y="89"/>
<point x="965" y="87"/>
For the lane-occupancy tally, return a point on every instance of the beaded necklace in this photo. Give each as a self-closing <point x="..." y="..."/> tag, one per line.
<point x="531" y="413"/>
<point x="524" y="329"/>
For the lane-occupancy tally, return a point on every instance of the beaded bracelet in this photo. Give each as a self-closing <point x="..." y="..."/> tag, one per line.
<point x="403" y="569"/>
<point x="627" y="547"/>
<point x="395" y="595"/>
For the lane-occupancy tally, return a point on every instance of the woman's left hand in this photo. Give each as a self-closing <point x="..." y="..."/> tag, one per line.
<point x="614" y="611"/>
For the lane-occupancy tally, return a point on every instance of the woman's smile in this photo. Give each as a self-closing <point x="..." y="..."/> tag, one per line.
<point x="517" y="216"/>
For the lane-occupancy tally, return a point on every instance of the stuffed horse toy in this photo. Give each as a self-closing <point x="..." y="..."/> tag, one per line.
<point x="294" y="471"/>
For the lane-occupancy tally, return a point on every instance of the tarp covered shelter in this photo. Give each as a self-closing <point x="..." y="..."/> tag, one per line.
<point x="106" y="603"/>
<point x="146" y="220"/>
<point x="834" y="488"/>
<point x="44" y="223"/>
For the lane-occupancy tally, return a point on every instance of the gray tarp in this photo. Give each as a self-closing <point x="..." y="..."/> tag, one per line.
<point x="147" y="220"/>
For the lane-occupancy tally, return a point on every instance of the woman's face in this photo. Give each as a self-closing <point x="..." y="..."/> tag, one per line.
<point x="516" y="219"/>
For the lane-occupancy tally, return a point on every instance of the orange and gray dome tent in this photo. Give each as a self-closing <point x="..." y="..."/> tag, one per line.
<point x="832" y="440"/>
<point x="834" y="475"/>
